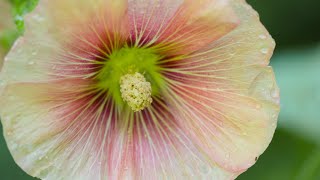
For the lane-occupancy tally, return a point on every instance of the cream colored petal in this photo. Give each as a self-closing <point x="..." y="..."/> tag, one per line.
<point x="71" y="138"/>
<point x="62" y="36"/>
<point x="226" y="95"/>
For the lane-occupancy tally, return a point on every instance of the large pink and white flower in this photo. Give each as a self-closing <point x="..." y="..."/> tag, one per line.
<point x="139" y="89"/>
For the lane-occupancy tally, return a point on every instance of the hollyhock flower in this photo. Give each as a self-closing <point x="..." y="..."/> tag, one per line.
<point x="139" y="89"/>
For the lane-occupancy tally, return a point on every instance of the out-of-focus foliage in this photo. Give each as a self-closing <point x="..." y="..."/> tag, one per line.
<point x="290" y="22"/>
<point x="298" y="73"/>
<point x="7" y="38"/>
<point x="20" y="8"/>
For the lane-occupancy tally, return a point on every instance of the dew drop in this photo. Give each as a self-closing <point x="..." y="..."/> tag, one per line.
<point x="204" y="169"/>
<point x="39" y="18"/>
<point x="232" y="54"/>
<point x="189" y="22"/>
<point x="19" y="18"/>
<point x="14" y="146"/>
<point x="31" y="62"/>
<point x="262" y="36"/>
<point x="11" y="97"/>
<point x="274" y="115"/>
<point x="264" y="51"/>
<point x="2" y="83"/>
<point x="274" y="94"/>
<point x="258" y="106"/>
<point x="227" y="156"/>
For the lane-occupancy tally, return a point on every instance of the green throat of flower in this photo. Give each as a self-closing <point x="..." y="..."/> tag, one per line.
<point x="132" y="77"/>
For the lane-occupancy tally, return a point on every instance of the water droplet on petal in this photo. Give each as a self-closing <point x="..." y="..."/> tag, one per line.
<point x="38" y="18"/>
<point x="228" y="156"/>
<point x="232" y="53"/>
<point x="264" y="51"/>
<point x="31" y="62"/>
<point x="274" y="94"/>
<point x="14" y="146"/>
<point x="2" y="83"/>
<point x="258" y="106"/>
<point x="204" y="169"/>
<point x="19" y="18"/>
<point x="11" y="97"/>
<point x="262" y="36"/>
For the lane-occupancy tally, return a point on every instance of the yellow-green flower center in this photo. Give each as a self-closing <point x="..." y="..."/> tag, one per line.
<point x="131" y="76"/>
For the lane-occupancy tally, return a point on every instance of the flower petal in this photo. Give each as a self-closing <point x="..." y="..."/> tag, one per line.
<point x="185" y="27"/>
<point x="72" y="138"/>
<point x="148" y="19"/>
<point x="57" y="137"/>
<point x="227" y="95"/>
<point x="62" y="36"/>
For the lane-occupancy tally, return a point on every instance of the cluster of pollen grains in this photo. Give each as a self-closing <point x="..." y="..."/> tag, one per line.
<point x="136" y="91"/>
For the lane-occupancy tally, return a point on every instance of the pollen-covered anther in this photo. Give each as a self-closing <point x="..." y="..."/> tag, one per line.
<point x="136" y="91"/>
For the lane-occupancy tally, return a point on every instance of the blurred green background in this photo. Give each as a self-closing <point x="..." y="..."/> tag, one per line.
<point x="294" y="153"/>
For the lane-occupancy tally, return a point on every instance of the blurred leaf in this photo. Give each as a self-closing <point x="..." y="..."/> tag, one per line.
<point x="7" y="38"/>
<point x="311" y="167"/>
<point x="298" y="75"/>
<point x="290" y="22"/>
<point x="20" y="8"/>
